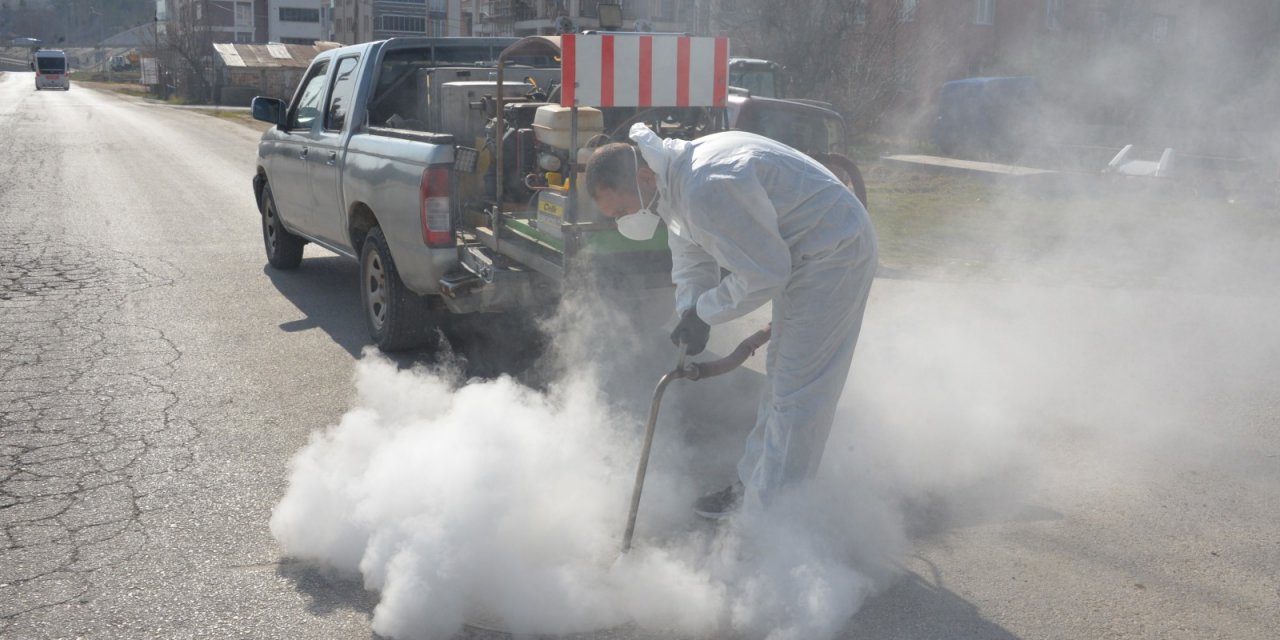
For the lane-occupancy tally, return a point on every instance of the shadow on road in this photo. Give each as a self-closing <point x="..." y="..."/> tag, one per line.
<point x="917" y="608"/>
<point x="326" y="589"/>
<point x="325" y="290"/>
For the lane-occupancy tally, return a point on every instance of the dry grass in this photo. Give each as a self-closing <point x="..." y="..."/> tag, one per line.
<point x="237" y="116"/>
<point x="1089" y="231"/>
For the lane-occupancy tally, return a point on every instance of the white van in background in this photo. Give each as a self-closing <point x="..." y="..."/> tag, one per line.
<point x="50" y="66"/>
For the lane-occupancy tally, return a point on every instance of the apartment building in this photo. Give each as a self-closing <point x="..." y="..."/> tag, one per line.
<point x="298" y="21"/>
<point x="248" y="21"/>
<point x="365" y="20"/>
<point x="548" y="17"/>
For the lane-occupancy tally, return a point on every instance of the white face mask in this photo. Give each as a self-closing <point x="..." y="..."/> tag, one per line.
<point x="641" y="225"/>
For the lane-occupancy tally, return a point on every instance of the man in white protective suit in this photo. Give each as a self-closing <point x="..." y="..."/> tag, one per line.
<point x="785" y="230"/>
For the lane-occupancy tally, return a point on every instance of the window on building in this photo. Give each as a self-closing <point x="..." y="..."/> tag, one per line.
<point x="907" y="11"/>
<point x="1161" y="28"/>
<point x="296" y="14"/>
<point x="985" y="11"/>
<point x="441" y="6"/>
<point x="1100" y="22"/>
<point x="438" y="26"/>
<point x="406" y="24"/>
<point x="244" y="37"/>
<point x="859" y="11"/>
<point x="244" y="15"/>
<point x="303" y="41"/>
<point x="1053" y="14"/>
<point x="666" y="11"/>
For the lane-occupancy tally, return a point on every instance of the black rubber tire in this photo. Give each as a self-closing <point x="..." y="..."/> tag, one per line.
<point x="398" y="319"/>
<point x="284" y="250"/>
<point x="848" y="173"/>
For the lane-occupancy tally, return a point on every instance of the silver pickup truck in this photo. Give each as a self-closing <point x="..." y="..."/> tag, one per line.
<point x="361" y="162"/>
<point x="454" y="198"/>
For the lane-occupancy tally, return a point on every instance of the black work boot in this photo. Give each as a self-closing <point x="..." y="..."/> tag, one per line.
<point x="720" y="504"/>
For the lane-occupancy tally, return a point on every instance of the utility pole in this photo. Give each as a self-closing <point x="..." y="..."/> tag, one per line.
<point x="155" y="30"/>
<point x="102" y="43"/>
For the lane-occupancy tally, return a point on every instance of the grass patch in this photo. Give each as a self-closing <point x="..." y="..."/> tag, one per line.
<point x="126" y="88"/>
<point x="240" y="117"/>
<point x="1091" y="231"/>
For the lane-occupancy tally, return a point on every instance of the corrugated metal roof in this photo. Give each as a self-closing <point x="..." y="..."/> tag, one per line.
<point x="230" y="56"/>
<point x="270" y="55"/>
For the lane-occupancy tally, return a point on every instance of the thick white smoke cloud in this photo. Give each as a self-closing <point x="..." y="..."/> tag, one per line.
<point x="495" y="504"/>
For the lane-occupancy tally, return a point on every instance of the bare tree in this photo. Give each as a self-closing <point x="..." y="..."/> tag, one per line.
<point x="859" y="55"/>
<point x="185" y="47"/>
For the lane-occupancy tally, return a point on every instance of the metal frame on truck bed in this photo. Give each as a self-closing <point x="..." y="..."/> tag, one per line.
<point x="608" y="80"/>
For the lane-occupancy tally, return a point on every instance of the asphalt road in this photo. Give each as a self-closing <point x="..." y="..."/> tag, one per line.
<point x="1069" y="477"/>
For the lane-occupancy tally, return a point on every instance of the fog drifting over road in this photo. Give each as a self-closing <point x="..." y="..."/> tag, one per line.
<point x="1100" y="359"/>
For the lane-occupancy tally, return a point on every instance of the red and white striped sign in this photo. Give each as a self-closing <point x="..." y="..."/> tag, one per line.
<point x="644" y="71"/>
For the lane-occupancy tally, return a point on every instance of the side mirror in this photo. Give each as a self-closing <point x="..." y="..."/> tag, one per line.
<point x="268" y="110"/>
<point x="33" y="66"/>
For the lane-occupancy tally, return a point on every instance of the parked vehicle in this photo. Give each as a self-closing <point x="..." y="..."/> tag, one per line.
<point x="757" y="103"/>
<point x="762" y="78"/>
<point x="812" y="127"/>
<point x="981" y="116"/>
<point x="50" y="66"/>
<point x="457" y="198"/>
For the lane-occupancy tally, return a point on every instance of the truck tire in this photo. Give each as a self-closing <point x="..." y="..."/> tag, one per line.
<point x="847" y="171"/>
<point x="284" y="250"/>
<point x="398" y="319"/>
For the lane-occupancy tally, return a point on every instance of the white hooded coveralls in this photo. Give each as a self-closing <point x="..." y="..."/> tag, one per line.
<point x="787" y="231"/>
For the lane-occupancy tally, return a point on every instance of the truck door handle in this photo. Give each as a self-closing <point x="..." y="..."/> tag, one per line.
<point x="302" y="155"/>
<point x="333" y="158"/>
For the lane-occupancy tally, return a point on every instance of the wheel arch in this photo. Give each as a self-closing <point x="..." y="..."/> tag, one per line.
<point x="360" y="220"/>
<point x="259" y="184"/>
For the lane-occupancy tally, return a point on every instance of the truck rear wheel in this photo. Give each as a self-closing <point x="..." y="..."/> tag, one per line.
<point x="398" y="319"/>
<point x="284" y="250"/>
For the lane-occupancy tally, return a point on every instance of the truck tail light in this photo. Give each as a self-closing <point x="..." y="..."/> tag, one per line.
<point x="433" y="202"/>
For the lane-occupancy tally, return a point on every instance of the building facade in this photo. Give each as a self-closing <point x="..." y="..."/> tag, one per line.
<point x="547" y="17"/>
<point x="366" y="20"/>
<point x="301" y="22"/>
<point x="248" y="21"/>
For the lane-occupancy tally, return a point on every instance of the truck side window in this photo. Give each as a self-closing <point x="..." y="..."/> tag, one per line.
<point x="307" y="108"/>
<point x="340" y="96"/>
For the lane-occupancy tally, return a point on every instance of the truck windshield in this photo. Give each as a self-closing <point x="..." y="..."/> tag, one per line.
<point x="759" y="81"/>
<point x="51" y="65"/>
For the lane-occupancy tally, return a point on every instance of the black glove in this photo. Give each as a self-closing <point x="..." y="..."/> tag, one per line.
<point x="692" y="332"/>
